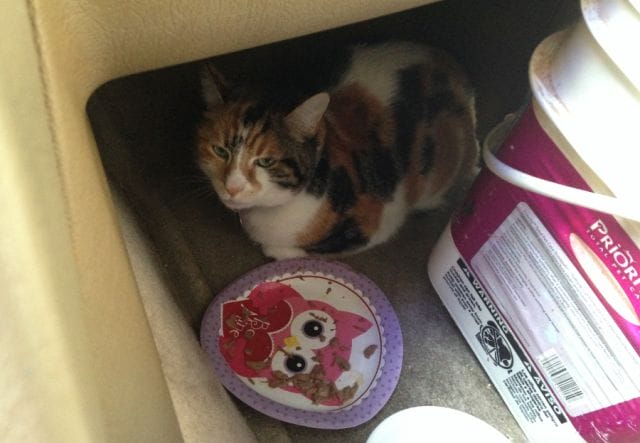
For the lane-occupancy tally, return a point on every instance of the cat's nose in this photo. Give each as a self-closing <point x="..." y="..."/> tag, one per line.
<point x="234" y="190"/>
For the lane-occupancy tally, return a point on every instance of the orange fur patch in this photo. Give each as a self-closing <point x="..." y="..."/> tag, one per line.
<point x="353" y="115"/>
<point x="368" y="212"/>
<point x="222" y="130"/>
<point x="415" y="183"/>
<point x="324" y="219"/>
<point x="453" y="133"/>
<point x="455" y="154"/>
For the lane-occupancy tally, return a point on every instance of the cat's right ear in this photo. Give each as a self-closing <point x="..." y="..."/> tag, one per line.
<point x="303" y="121"/>
<point x="214" y="86"/>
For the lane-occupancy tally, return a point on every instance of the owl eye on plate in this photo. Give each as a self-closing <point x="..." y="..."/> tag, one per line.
<point x="313" y="329"/>
<point x="295" y="361"/>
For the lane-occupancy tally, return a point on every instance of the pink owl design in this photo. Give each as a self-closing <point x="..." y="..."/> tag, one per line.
<point x="299" y="345"/>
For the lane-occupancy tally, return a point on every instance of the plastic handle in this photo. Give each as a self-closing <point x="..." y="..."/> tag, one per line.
<point x="568" y="194"/>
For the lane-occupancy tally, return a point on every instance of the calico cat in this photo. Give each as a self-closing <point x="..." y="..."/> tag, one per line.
<point x="341" y="170"/>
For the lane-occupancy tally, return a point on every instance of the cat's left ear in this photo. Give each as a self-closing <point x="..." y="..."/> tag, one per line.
<point x="303" y="121"/>
<point x="214" y="86"/>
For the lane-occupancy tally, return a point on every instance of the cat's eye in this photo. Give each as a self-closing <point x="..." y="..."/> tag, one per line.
<point x="220" y="152"/>
<point x="313" y="328"/>
<point x="295" y="363"/>
<point x="266" y="162"/>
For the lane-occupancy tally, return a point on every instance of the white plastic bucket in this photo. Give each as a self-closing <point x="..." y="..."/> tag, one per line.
<point x="615" y="25"/>
<point x="573" y="81"/>
<point x="540" y="269"/>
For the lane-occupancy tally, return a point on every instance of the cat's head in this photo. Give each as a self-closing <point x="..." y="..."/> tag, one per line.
<point x="254" y="155"/>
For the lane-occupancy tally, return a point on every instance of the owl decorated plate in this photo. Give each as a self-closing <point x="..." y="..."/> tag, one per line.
<point x="305" y="341"/>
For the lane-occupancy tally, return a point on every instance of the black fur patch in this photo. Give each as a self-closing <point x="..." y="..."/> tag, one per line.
<point x="377" y="172"/>
<point x="287" y="174"/>
<point x="440" y="101"/>
<point x="293" y="165"/>
<point x="311" y="144"/>
<point x="254" y="113"/>
<point x="340" y="190"/>
<point x="440" y="96"/>
<point x="426" y="155"/>
<point x="320" y="179"/>
<point x="293" y="170"/>
<point x="409" y="109"/>
<point x="266" y="125"/>
<point x="306" y="155"/>
<point x="344" y="236"/>
<point x="287" y="184"/>
<point x="439" y="80"/>
<point x="235" y="143"/>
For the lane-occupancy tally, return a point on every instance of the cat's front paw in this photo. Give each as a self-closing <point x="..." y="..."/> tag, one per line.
<point x="283" y="252"/>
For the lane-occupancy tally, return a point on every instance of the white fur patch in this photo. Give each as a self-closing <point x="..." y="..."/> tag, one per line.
<point x="393" y="216"/>
<point x="380" y="78"/>
<point x="236" y="178"/>
<point x="278" y="227"/>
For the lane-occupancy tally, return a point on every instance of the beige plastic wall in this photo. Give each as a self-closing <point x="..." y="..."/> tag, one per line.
<point x="77" y="360"/>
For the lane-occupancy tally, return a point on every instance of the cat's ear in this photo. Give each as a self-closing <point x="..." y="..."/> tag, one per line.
<point x="214" y="86"/>
<point x="303" y="121"/>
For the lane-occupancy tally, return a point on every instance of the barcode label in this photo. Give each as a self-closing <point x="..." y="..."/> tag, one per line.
<point x="559" y="375"/>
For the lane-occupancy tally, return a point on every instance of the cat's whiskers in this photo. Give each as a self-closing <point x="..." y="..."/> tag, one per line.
<point x="197" y="187"/>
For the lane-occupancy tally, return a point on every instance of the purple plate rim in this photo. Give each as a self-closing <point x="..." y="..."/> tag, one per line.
<point x="359" y="413"/>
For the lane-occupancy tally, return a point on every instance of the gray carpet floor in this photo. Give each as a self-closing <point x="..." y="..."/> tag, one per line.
<point x="144" y="127"/>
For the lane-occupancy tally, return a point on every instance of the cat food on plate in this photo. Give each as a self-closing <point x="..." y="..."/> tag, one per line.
<point x="305" y="341"/>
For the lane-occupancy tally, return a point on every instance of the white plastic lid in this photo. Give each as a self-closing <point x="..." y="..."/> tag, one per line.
<point x="615" y="24"/>
<point x="434" y="424"/>
<point x="594" y="106"/>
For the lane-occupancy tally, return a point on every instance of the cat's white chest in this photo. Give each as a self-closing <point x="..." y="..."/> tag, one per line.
<point x="277" y="228"/>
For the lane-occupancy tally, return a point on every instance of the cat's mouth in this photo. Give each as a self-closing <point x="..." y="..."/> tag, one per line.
<point x="236" y="206"/>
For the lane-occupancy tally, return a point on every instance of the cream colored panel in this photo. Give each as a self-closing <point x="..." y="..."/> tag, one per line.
<point x="203" y="406"/>
<point x="47" y="386"/>
<point x="81" y="363"/>
<point x="104" y="39"/>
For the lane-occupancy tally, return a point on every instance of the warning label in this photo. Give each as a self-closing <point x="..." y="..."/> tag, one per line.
<point x="525" y="395"/>
<point x="497" y="342"/>
<point x="518" y="381"/>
